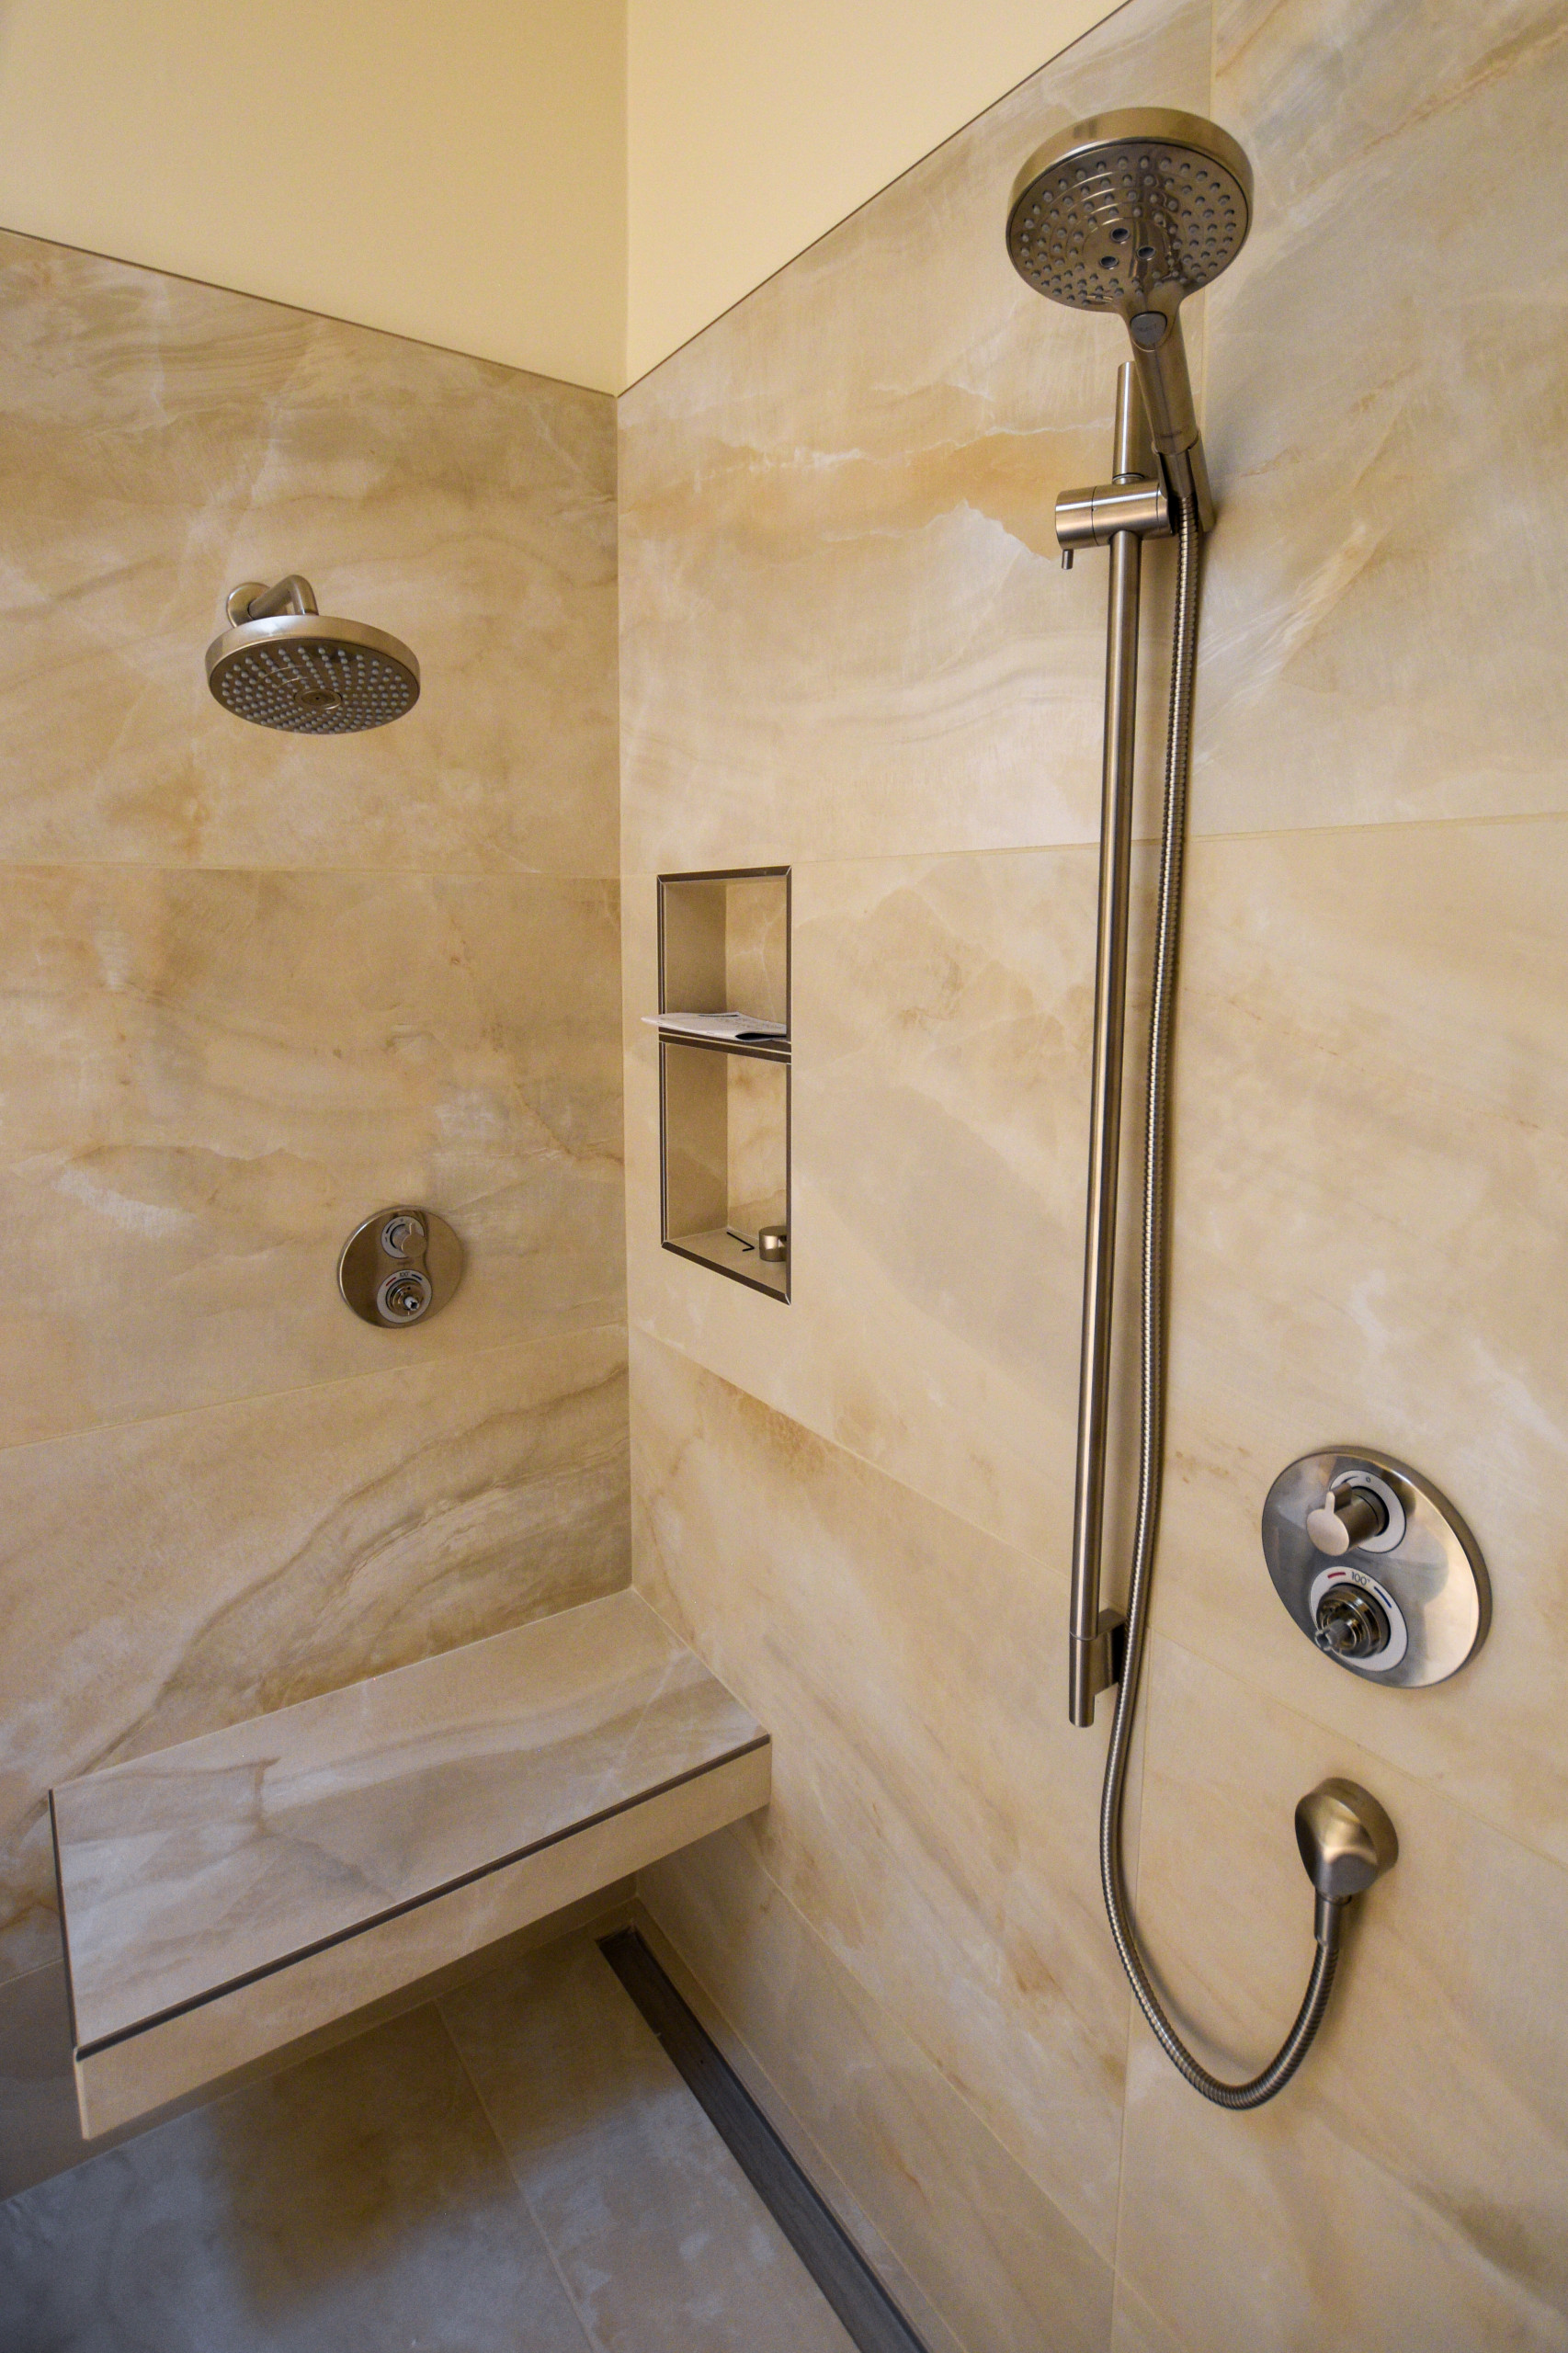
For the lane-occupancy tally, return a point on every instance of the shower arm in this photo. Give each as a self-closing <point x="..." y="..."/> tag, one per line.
<point x="253" y="600"/>
<point x="1119" y="514"/>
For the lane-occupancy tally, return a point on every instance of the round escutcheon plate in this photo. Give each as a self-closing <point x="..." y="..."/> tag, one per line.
<point x="1432" y="1572"/>
<point x="400" y="1267"/>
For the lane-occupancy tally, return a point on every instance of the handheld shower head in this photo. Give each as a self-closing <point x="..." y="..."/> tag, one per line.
<point x="1131" y="211"/>
<point x="281" y="664"/>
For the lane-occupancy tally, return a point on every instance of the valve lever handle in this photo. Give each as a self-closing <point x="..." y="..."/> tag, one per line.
<point x="1345" y="1517"/>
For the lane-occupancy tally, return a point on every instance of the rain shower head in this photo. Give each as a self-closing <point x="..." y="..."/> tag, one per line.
<point x="1131" y="211"/>
<point x="281" y="664"/>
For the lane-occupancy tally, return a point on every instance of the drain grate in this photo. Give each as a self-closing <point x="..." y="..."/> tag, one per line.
<point x="847" y="2282"/>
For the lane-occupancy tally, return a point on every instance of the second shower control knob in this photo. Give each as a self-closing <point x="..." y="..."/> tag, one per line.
<point x="1350" y="1623"/>
<point x="404" y="1297"/>
<point x="400" y="1266"/>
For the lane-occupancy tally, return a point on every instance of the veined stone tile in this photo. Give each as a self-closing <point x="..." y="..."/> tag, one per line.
<point x="662" y="2240"/>
<point x="197" y="1867"/>
<point x="358" y="2201"/>
<point x="942" y="1026"/>
<point x="166" y="1578"/>
<point x="1371" y="1247"/>
<point x="1377" y="639"/>
<point x="998" y="2258"/>
<point x="1408" y="2187"/>
<point x="209" y="1079"/>
<point x="1135" y="2329"/>
<point x="843" y="631"/>
<point x="933" y="1814"/>
<point x="161" y="441"/>
<point x="39" y="2135"/>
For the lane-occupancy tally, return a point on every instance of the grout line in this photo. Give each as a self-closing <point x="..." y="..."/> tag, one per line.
<point x="1197" y="840"/>
<point x="847" y="2282"/>
<point x="245" y="1398"/>
<point x="797" y="2138"/>
<point x="518" y="2182"/>
<point x="243" y="868"/>
<point x="955" y="2090"/>
<point x="932" y="1503"/>
<point x="1429" y="1784"/>
<point x="696" y="333"/>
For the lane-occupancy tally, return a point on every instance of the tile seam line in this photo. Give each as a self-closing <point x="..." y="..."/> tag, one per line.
<point x="305" y="1389"/>
<point x="513" y="874"/>
<point x="864" y="204"/>
<point x="934" y="1502"/>
<point x="589" y="2339"/>
<point x="800" y="2139"/>
<point x="1433" y="1786"/>
<point x="938" y="2069"/>
<point x="1196" y="840"/>
<point x="411" y="1903"/>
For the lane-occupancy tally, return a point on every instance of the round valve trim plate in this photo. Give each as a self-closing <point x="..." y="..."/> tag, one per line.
<point x="400" y="1267"/>
<point x="1424" y="1569"/>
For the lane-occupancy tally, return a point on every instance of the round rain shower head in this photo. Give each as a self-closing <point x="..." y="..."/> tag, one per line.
<point x="1130" y="211"/>
<point x="284" y="665"/>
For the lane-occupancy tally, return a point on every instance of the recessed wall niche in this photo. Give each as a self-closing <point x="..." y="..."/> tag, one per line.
<point x="723" y="1023"/>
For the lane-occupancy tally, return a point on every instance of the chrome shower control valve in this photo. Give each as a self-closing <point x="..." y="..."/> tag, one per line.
<point x="402" y="1236"/>
<point x="1350" y="1623"/>
<point x="400" y="1266"/>
<point x="1376" y="1566"/>
<point x="402" y="1298"/>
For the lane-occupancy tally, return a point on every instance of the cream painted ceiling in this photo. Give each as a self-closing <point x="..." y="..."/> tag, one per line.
<point x="568" y="185"/>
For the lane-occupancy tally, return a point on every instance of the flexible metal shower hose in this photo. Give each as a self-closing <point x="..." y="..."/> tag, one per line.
<point x="1152" y="1395"/>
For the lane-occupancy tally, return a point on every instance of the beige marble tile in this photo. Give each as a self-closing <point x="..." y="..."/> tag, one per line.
<point x="188" y="1869"/>
<point x="998" y="2258"/>
<point x="359" y="2202"/>
<point x="162" y="441"/>
<point x="38" y="2132"/>
<point x="1372" y="1199"/>
<point x="911" y="2299"/>
<point x="933" y="1814"/>
<point x="170" y="1577"/>
<point x="1379" y="638"/>
<point x="1135" y="2329"/>
<point x="41" y="2124"/>
<point x="940" y="1119"/>
<point x="265" y="2021"/>
<point x="1409" y="2188"/>
<point x="663" y="2242"/>
<point x="843" y="631"/>
<point x="210" y="1078"/>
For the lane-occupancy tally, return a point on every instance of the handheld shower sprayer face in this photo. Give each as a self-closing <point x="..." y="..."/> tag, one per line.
<point x="1130" y="212"/>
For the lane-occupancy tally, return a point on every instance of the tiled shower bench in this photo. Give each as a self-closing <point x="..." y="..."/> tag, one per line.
<point x="228" y="1897"/>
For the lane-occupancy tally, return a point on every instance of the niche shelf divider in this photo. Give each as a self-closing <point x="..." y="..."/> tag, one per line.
<point x="724" y="1103"/>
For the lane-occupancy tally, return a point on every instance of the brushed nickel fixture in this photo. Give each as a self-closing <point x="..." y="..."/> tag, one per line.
<point x="773" y="1245"/>
<point x="400" y="1267"/>
<point x="1376" y="1566"/>
<point x="282" y="663"/>
<point x="1128" y="213"/>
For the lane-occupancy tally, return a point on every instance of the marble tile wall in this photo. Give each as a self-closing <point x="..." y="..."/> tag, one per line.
<point x="846" y="646"/>
<point x="251" y="987"/>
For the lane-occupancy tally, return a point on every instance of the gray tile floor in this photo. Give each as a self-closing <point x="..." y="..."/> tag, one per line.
<point x="515" y="2167"/>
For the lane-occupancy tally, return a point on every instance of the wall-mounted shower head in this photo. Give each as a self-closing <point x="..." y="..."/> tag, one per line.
<point x="1131" y="211"/>
<point x="281" y="664"/>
